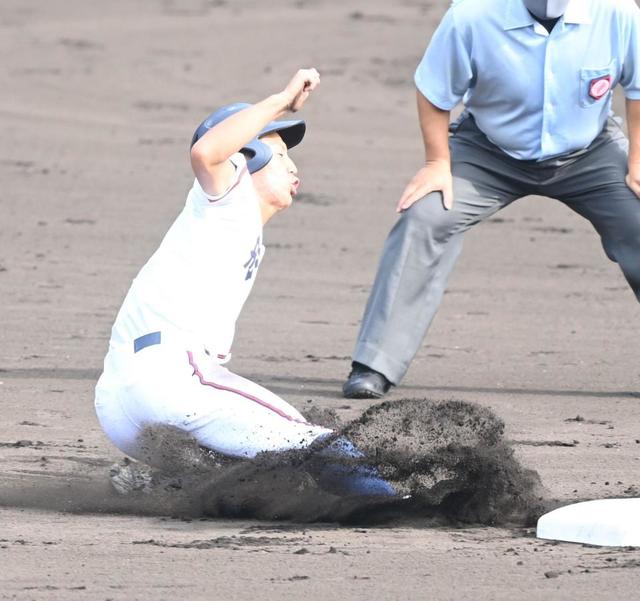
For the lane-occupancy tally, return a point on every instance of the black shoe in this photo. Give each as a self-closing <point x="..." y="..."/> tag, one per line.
<point x="365" y="383"/>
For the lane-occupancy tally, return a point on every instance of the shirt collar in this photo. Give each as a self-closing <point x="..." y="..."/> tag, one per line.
<point x="517" y="15"/>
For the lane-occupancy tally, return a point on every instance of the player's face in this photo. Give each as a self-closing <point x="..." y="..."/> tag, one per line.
<point x="277" y="182"/>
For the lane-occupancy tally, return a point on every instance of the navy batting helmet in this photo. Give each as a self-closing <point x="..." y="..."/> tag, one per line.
<point x="258" y="153"/>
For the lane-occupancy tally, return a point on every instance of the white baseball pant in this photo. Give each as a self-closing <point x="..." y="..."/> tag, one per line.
<point x="167" y="383"/>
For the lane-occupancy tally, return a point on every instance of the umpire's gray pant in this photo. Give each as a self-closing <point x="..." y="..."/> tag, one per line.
<point x="423" y="246"/>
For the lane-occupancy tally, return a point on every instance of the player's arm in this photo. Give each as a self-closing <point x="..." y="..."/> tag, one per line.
<point x="436" y="173"/>
<point x="210" y="154"/>
<point x="633" y="127"/>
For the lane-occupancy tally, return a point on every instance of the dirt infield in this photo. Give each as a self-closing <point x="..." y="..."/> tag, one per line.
<point x="98" y="106"/>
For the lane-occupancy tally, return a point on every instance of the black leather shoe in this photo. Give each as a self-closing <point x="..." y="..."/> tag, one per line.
<point x="365" y="383"/>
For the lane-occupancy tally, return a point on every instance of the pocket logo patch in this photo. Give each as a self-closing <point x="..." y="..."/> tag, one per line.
<point x="599" y="87"/>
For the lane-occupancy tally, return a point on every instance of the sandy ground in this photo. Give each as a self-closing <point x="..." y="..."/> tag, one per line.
<point x="99" y="102"/>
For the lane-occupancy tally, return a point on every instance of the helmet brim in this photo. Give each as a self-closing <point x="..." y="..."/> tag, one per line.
<point x="291" y="131"/>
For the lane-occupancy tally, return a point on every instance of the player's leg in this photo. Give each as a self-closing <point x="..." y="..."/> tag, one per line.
<point x="124" y="432"/>
<point x="594" y="187"/>
<point x="237" y="417"/>
<point x="165" y="385"/>
<point x="110" y="403"/>
<point x="420" y="253"/>
<point x="247" y="419"/>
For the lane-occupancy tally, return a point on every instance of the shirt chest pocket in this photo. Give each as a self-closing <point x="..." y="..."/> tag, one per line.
<point x="596" y="84"/>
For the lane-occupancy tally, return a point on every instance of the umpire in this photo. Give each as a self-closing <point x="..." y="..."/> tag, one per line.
<point x="536" y="80"/>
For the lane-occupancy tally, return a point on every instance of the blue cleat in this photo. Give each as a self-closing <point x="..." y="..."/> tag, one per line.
<point x="351" y="479"/>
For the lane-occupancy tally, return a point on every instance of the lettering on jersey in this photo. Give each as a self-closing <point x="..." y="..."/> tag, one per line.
<point x="254" y="260"/>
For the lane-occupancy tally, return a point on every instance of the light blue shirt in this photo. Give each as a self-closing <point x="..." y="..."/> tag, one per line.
<point x="535" y="95"/>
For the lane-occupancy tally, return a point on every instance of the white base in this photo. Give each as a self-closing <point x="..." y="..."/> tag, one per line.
<point x="606" y="522"/>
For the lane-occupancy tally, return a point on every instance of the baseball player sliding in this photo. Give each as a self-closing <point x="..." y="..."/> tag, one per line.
<point x="173" y="333"/>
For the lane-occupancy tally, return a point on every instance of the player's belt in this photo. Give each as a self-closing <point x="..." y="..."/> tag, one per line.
<point x="156" y="338"/>
<point x="146" y="340"/>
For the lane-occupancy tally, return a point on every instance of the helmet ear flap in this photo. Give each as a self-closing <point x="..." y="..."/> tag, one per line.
<point x="258" y="154"/>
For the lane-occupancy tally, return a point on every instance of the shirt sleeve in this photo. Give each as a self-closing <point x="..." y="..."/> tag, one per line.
<point x="445" y="74"/>
<point x="630" y="76"/>
<point x="240" y="164"/>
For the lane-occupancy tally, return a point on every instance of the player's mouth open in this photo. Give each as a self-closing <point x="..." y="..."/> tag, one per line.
<point x="294" y="187"/>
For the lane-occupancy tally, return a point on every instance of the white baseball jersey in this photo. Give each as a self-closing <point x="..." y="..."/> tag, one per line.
<point x="198" y="280"/>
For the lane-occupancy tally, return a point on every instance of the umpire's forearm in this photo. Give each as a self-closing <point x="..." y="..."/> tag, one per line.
<point x="434" y="124"/>
<point x="633" y="127"/>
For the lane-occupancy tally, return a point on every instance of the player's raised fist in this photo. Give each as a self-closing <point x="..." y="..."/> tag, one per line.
<point x="299" y="88"/>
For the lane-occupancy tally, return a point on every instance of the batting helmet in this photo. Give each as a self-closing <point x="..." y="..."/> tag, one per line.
<point x="258" y="153"/>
